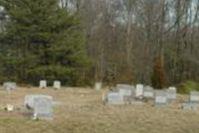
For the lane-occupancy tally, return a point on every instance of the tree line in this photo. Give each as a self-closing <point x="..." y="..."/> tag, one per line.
<point x="115" y="41"/>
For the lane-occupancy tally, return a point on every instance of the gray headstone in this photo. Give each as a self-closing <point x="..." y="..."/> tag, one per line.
<point x="148" y="92"/>
<point x="194" y="96"/>
<point x="10" y="86"/>
<point x="98" y="86"/>
<point x="161" y="98"/>
<point x="114" y="98"/>
<point x="43" y="84"/>
<point x="29" y="100"/>
<point x="171" y="93"/>
<point x="139" y="92"/>
<point x="43" y="108"/>
<point x="57" y="84"/>
<point x="190" y="106"/>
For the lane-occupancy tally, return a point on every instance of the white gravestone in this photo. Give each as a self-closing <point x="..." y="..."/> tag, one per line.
<point x="160" y="98"/>
<point x="171" y="93"/>
<point x="43" y="84"/>
<point x="148" y="92"/>
<point x="29" y="100"/>
<point x="10" y="86"/>
<point x="43" y="108"/>
<point x="194" y="96"/>
<point x="114" y="98"/>
<point x="139" y="91"/>
<point x="98" y="86"/>
<point x="57" y="85"/>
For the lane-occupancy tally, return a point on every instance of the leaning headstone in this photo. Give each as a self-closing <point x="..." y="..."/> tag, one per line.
<point x="10" y="86"/>
<point x="98" y="86"/>
<point x="43" y="84"/>
<point x="43" y="108"/>
<point x="171" y="93"/>
<point x="29" y="100"/>
<point x="160" y="98"/>
<point x="148" y="92"/>
<point x="114" y="98"/>
<point x="194" y="96"/>
<point x="139" y="91"/>
<point x="57" y="84"/>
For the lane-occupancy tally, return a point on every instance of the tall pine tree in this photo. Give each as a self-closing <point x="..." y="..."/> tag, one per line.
<point x="42" y="41"/>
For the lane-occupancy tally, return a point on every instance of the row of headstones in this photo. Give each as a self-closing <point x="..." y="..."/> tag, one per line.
<point x="125" y="94"/>
<point x="56" y="84"/>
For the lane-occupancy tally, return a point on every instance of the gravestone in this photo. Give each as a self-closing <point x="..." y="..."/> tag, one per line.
<point x="160" y="98"/>
<point x="114" y="98"/>
<point x="29" y="100"/>
<point x="10" y="86"/>
<point x="43" y="108"/>
<point x="190" y="106"/>
<point x="194" y="96"/>
<point x="98" y="86"/>
<point x="171" y="93"/>
<point x="139" y="92"/>
<point x="43" y="84"/>
<point x="148" y="92"/>
<point x="57" y="84"/>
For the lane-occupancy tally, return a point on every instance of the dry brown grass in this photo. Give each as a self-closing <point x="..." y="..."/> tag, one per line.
<point x="82" y="111"/>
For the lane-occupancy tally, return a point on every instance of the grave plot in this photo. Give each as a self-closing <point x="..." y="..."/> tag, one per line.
<point x="194" y="97"/>
<point x="161" y="98"/>
<point x="193" y="103"/>
<point x="57" y="84"/>
<point x="29" y="100"/>
<point x="10" y="86"/>
<point x="115" y="98"/>
<point x="171" y="93"/>
<point x="98" y="86"/>
<point x="126" y="91"/>
<point x="43" y="84"/>
<point x="148" y="92"/>
<point x="139" y="91"/>
<point x="43" y="108"/>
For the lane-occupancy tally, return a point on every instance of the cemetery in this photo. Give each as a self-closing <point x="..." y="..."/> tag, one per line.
<point x="61" y="108"/>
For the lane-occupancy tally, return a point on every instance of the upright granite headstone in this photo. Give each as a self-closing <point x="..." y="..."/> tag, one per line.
<point x="194" y="96"/>
<point x="160" y="98"/>
<point x="114" y="98"/>
<point x="148" y="92"/>
<point x="139" y="92"/>
<point x="43" y="108"/>
<point x="29" y="100"/>
<point x="57" y="84"/>
<point x="10" y="86"/>
<point x="171" y="93"/>
<point x="98" y="86"/>
<point x="43" y="84"/>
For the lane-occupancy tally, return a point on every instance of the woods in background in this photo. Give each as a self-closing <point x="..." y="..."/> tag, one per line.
<point x="115" y="41"/>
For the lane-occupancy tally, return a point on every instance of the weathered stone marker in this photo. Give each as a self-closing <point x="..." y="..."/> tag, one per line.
<point x="10" y="86"/>
<point x="148" y="92"/>
<point x="57" y="84"/>
<point x="43" y="108"/>
<point x="171" y="93"/>
<point x="194" y="96"/>
<point x="43" y="84"/>
<point x="114" y="98"/>
<point x="139" y="92"/>
<point x="160" y="98"/>
<point x="98" y="86"/>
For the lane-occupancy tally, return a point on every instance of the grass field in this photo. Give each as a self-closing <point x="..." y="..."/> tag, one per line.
<point x="82" y="111"/>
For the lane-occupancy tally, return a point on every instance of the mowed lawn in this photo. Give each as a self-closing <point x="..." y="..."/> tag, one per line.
<point x="81" y="110"/>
